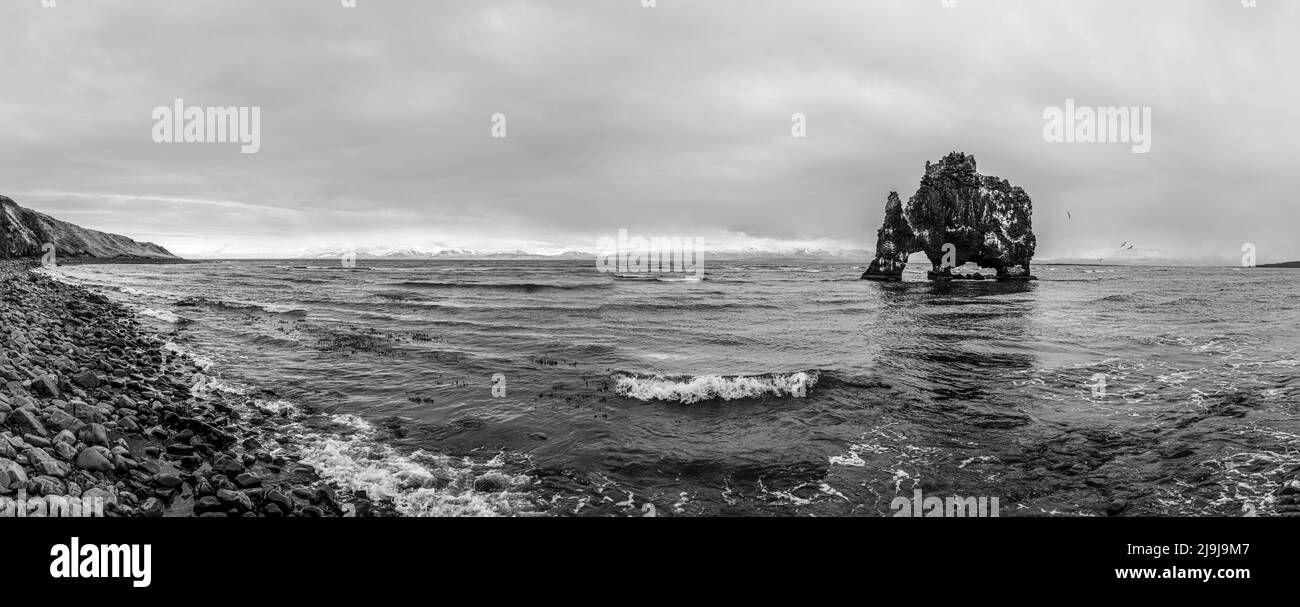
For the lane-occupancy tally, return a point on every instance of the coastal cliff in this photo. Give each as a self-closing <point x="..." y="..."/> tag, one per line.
<point x="23" y="233"/>
<point x="959" y="214"/>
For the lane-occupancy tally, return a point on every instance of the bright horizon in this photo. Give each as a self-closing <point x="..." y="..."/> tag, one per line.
<point x="724" y="246"/>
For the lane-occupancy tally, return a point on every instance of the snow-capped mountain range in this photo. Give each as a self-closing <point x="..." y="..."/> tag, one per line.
<point x="381" y="252"/>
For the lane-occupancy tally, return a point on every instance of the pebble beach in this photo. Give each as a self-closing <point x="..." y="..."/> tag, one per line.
<point x="95" y="407"/>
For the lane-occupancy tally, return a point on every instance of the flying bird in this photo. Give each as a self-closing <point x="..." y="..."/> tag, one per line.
<point x="1067" y="214"/>
<point x="1130" y="247"/>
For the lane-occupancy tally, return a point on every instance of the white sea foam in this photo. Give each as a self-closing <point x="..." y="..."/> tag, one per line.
<point x="220" y="385"/>
<point x="141" y="292"/>
<point x="419" y="484"/>
<point x="348" y="454"/>
<point x="199" y="360"/>
<point x="853" y="458"/>
<point x="688" y="389"/>
<point x="277" y="407"/>
<point x="163" y="315"/>
<point x="281" y="309"/>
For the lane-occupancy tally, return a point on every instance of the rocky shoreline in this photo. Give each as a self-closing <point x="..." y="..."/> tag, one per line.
<point x="94" y="406"/>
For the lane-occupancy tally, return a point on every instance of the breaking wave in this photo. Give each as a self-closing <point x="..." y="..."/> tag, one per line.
<point x="346" y="451"/>
<point x="690" y="389"/>
<point x="419" y="484"/>
<point x="527" y="287"/>
<point x="163" y="315"/>
<point x="217" y="304"/>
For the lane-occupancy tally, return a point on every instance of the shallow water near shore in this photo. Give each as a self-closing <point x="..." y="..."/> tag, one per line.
<point x="766" y="389"/>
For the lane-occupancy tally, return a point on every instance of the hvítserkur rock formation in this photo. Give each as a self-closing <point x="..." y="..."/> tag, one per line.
<point x="957" y="216"/>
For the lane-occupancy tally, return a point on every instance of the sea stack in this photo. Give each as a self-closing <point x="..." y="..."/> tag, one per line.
<point x="985" y="219"/>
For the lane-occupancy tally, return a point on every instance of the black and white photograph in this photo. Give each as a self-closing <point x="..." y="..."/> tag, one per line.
<point x="561" y="260"/>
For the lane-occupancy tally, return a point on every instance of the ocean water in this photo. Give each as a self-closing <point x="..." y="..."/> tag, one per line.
<point x="766" y="389"/>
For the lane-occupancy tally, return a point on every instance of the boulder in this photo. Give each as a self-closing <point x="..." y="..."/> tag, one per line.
<point x="67" y="451"/>
<point x="207" y="503"/>
<point x="92" y="459"/>
<point x="277" y="497"/>
<point x="46" y="385"/>
<point x="45" y="464"/>
<point x="227" y="465"/>
<point x="235" y="499"/>
<point x="152" y="508"/>
<point x="169" y="480"/>
<point x="93" y="434"/>
<point x="85" y="412"/>
<point x="62" y="420"/>
<point x="12" y="475"/>
<point x="47" y="485"/>
<point x="87" y="379"/>
<point x="90" y="495"/>
<point x="26" y="422"/>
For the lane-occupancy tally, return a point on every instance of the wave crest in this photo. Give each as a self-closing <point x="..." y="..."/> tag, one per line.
<point x="690" y="389"/>
<point x="526" y="287"/>
<point x="236" y="306"/>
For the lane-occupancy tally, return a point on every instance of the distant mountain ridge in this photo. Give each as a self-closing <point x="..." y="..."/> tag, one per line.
<point x="23" y="233"/>
<point x="519" y="254"/>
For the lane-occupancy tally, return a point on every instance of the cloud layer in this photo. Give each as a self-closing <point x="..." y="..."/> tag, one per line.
<point x="674" y="120"/>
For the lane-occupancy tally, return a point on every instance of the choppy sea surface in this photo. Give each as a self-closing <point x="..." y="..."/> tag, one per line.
<point x="766" y="389"/>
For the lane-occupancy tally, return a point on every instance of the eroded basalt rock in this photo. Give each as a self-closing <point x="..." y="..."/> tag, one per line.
<point x="985" y="219"/>
<point x="894" y="242"/>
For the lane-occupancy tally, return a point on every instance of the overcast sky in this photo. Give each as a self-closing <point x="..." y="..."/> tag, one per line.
<point x="376" y="121"/>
